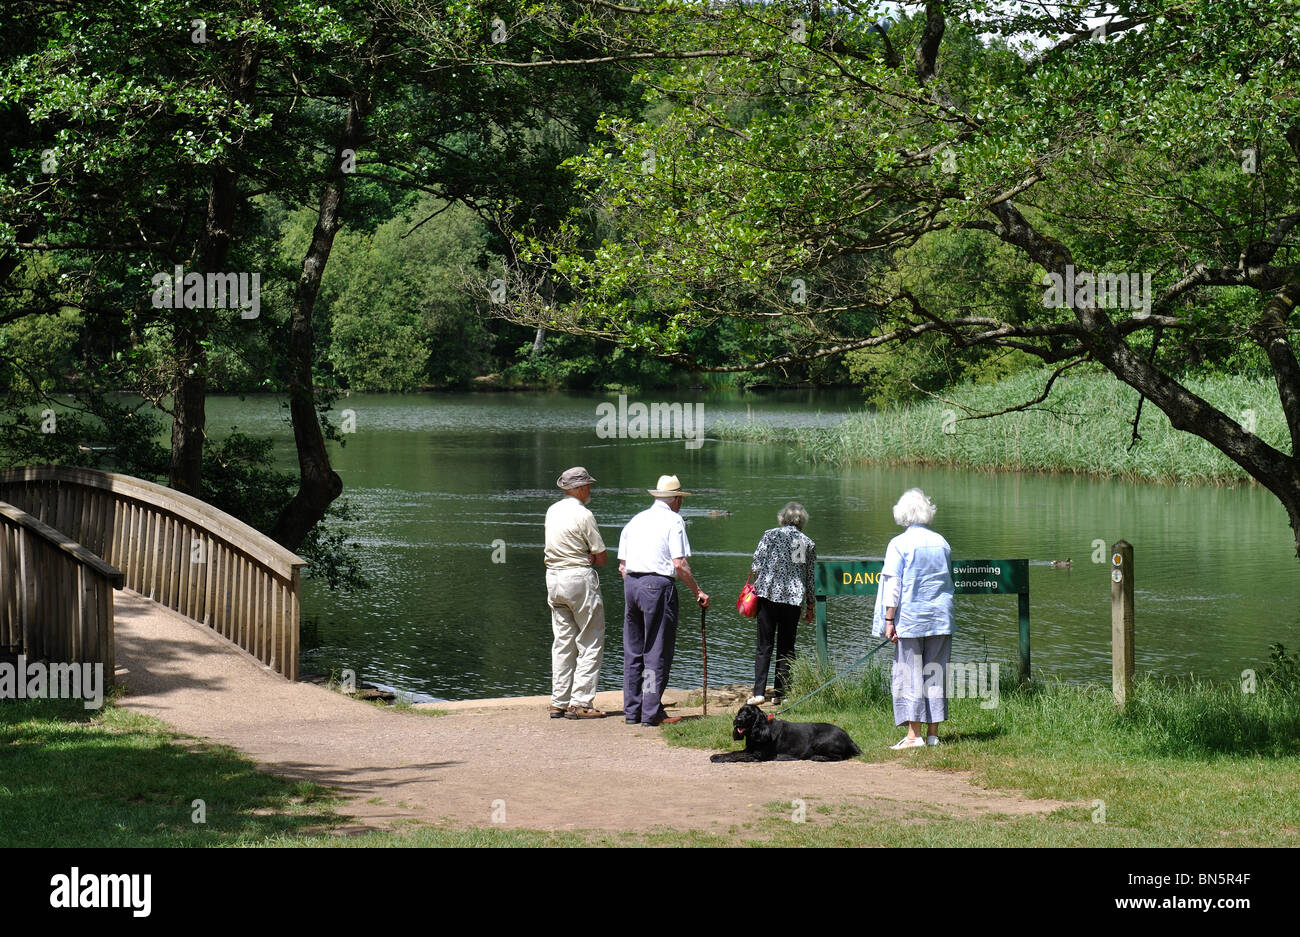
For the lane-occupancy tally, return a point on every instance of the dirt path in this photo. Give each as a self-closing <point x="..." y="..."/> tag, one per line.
<point x="552" y="774"/>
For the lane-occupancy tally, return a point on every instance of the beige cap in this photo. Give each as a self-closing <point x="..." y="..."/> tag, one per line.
<point x="575" y="477"/>
<point x="669" y="487"/>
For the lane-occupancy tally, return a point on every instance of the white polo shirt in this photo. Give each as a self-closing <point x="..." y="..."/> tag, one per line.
<point x="653" y="539"/>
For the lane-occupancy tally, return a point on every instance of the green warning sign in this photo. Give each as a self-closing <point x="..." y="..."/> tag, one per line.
<point x="969" y="577"/>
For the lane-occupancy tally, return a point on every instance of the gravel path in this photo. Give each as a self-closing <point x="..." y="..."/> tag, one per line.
<point x="490" y="757"/>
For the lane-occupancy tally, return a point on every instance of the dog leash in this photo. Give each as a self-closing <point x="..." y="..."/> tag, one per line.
<point x="839" y="676"/>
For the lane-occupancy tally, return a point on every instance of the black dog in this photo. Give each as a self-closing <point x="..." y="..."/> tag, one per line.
<point x="770" y="739"/>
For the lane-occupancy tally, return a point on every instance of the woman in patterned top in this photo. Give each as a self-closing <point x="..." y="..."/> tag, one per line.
<point x="783" y="581"/>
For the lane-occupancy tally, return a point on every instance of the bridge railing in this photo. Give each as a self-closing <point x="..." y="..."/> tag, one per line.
<point x="177" y="550"/>
<point x="56" y="597"/>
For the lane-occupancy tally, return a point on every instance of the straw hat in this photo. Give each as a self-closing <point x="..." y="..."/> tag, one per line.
<point x="669" y="487"/>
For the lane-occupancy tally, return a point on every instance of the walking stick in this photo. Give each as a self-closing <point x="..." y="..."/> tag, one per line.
<point x="705" y="643"/>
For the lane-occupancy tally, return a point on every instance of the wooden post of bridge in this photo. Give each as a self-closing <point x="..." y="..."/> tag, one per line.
<point x="1121" y="621"/>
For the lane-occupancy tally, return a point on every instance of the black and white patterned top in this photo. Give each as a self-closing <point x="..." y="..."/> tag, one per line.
<point x="783" y="566"/>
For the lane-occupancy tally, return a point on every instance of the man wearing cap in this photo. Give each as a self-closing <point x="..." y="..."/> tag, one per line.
<point x="652" y="550"/>
<point x="573" y="550"/>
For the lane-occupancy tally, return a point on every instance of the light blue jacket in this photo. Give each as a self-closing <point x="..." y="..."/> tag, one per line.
<point x="919" y="563"/>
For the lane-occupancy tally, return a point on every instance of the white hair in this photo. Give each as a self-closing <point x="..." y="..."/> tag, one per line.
<point x="792" y="513"/>
<point x="913" y="508"/>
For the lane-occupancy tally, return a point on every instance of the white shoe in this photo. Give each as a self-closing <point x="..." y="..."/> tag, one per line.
<point x="755" y="700"/>
<point x="905" y="742"/>
<point x="932" y="740"/>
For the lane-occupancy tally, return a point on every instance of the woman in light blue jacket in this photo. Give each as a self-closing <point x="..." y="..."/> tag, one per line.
<point x="914" y="610"/>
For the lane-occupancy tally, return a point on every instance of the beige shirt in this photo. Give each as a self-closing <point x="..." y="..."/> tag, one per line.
<point x="571" y="534"/>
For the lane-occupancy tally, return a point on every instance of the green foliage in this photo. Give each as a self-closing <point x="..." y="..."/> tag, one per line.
<point x="552" y="367"/>
<point x="913" y="201"/>
<point x="330" y="555"/>
<point x="955" y="273"/>
<point x="398" y="310"/>
<point x="37" y="352"/>
<point x="240" y="479"/>
<point x="567" y="361"/>
<point x="1283" y="669"/>
<point x="96" y="431"/>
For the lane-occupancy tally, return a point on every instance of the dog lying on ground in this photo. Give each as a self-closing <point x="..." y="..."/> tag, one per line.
<point x="770" y="739"/>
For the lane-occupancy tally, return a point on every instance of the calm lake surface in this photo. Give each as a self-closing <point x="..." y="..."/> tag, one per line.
<point x="435" y="479"/>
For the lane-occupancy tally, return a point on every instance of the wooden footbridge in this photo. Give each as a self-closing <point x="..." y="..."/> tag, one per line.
<point x="71" y="537"/>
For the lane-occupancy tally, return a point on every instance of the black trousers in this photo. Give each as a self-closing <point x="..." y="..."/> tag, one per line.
<point x="778" y="621"/>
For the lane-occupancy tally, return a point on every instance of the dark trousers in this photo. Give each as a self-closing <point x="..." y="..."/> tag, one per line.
<point x="778" y="621"/>
<point x="649" y="640"/>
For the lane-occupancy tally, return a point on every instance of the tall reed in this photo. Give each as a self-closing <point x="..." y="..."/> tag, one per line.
<point x="1084" y="427"/>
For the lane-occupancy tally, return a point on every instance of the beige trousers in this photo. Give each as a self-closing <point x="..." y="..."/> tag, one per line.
<point x="578" y="621"/>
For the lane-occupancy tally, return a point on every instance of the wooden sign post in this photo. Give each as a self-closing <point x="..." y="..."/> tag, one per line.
<point x="1121" y="621"/>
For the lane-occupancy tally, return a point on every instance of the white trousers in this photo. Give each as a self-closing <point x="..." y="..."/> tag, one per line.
<point x="578" y="621"/>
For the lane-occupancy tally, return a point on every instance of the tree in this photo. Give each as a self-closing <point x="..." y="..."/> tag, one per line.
<point x="427" y="109"/>
<point x="1140" y="161"/>
<point x="141" y="137"/>
<point x="400" y="319"/>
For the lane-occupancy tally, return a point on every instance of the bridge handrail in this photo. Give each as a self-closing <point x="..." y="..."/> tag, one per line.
<point x="61" y="542"/>
<point x="179" y="551"/>
<point x="56" y="597"/>
<point x="247" y="539"/>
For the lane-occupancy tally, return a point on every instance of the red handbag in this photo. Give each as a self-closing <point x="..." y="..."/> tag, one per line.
<point x="747" y="604"/>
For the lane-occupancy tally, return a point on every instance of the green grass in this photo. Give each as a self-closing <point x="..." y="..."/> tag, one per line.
<point x="1083" y="427"/>
<point x="76" y="777"/>
<point x="1188" y="763"/>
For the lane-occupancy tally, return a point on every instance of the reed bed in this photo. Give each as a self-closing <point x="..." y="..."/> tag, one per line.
<point x="1084" y="427"/>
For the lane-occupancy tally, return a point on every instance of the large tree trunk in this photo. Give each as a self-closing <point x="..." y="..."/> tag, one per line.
<point x="1277" y="471"/>
<point x="190" y="380"/>
<point x="189" y="414"/>
<point x="318" y="483"/>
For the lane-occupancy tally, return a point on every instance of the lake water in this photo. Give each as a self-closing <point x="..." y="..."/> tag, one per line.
<point x="434" y="480"/>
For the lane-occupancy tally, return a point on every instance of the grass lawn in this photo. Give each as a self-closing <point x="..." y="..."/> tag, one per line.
<point x="76" y="777"/>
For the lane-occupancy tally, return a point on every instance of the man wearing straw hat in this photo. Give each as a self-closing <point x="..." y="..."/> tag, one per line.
<point x="652" y="550"/>
<point x="573" y="549"/>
